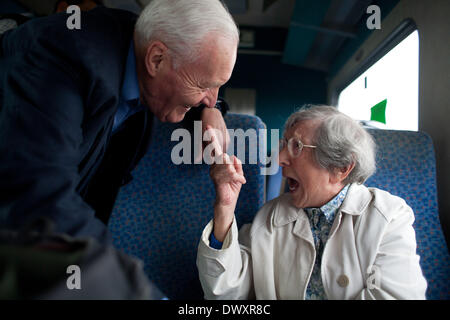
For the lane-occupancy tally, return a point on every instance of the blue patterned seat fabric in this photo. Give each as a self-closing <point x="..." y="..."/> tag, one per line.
<point x="406" y="167"/>
<point x="159" y="216"/>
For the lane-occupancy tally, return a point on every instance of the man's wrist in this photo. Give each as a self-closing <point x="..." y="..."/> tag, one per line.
<point x="211" y="110"/>
<point x="222" y="106"/>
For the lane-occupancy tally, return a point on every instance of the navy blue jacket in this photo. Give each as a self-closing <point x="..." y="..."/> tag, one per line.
<point x="59" y="91"/>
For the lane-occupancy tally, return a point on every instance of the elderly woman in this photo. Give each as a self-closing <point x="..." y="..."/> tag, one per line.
<point x="330" y="237"/>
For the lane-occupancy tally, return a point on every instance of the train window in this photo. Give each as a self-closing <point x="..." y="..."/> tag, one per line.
<point x="387" y="93"/>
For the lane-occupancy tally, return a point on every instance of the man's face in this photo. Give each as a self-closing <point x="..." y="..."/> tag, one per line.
<point x="170" y="93"/>
<point x="309" y="184"/>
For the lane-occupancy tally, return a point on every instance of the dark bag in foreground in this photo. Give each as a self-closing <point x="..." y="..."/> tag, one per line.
<point x="38" y="264"/>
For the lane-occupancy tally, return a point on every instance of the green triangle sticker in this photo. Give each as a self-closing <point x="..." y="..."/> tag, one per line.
<point x="378" y="112"/>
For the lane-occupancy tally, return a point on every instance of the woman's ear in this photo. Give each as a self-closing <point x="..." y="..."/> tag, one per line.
<point x="339" y="174"/>
<point x="156" y="57"/>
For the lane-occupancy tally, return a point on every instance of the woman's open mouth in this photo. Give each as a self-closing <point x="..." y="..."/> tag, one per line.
<point x="293" y="184"/>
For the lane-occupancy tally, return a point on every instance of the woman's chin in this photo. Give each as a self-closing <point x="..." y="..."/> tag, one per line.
<point x="296" y="201"/>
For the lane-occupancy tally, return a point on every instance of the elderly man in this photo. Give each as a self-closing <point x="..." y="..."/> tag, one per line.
<point x="77" y="106"/>
<point x="330" y="237"/>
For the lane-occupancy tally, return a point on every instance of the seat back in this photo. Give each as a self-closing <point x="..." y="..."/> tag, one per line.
<point x="159" y="216"/>
<point x="406" y="167"/>
<point x="274" y="185"/>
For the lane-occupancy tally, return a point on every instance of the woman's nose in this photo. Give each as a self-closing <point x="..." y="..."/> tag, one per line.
<point x="283" y="157"/>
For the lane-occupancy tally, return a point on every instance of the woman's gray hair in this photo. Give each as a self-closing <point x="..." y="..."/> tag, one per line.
<point x="340" y="141"/>
<point x="182" y="25"/>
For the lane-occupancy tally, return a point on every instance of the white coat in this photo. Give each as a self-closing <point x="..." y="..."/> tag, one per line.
<point x="370" y="252"/>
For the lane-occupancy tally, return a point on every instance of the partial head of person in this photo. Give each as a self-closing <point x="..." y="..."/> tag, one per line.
<point x="185" y="51"/>
<point x="85" y="5"/>
<point x="323" y="150"/>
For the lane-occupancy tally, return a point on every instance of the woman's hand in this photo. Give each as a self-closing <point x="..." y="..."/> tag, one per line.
<point x="228" y="179"/>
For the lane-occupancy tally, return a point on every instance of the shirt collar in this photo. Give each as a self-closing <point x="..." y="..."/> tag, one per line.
<point x="360" y="192"/>
<point x="357" y="199"/>
<point x="330" y="208"/>
<point x="130" y="86"/>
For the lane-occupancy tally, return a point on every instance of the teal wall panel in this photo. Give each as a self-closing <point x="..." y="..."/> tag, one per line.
<point x="280" y="88"/>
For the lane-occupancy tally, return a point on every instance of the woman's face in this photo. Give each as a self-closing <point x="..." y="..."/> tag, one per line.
<point x="310" y="185"/>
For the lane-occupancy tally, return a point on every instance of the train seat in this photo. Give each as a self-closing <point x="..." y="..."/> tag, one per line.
<point x="406" y="167"/>
<point x="159" y="216"/>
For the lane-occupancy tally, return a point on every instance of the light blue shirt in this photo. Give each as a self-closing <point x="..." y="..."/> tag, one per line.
<point x="321" y="220"/>
<point x="129" y="95"/>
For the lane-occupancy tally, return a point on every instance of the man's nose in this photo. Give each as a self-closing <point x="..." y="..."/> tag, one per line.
<point x="210" y="98"/>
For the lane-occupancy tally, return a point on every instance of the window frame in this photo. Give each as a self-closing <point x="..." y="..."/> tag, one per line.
<point x="400" y="33"/>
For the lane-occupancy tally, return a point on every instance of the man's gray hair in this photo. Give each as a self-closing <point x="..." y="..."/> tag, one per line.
<point x="182" y="25"/>
<point x="340" y="141"/>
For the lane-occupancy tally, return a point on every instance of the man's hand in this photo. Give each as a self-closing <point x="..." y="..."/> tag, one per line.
<point x="228" y="179"/>
<point x="212" y="118"/>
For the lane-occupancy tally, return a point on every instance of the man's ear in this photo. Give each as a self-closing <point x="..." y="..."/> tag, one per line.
<point x="155" y="57"/>
<point x="62" y="6"/>
<point x="341" y="173"/>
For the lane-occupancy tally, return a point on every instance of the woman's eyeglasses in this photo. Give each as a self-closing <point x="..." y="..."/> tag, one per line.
<point x="295" y="146"/>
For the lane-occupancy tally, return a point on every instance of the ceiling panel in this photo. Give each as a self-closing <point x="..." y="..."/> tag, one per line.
<point x="319" y="29"/>
<point x="301" y="36"/>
